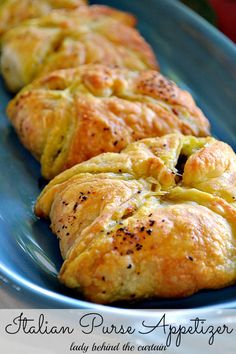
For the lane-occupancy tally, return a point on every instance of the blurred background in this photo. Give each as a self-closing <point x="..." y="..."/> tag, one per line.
<point x="220" y="13"/>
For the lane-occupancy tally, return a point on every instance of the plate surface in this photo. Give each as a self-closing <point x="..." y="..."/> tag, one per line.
<point x="190" y="52"/>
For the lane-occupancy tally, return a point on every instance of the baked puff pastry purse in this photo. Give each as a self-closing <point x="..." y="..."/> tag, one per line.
<point x="69" y="116"/>
<point x="62" y="39"/>
<point x="13" y="12"/>
<point x="156" y="220"/>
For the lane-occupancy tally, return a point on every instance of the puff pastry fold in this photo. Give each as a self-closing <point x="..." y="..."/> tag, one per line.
<point x="158" y="219"/>
<point x="94" y="34"/>
<point x="69" y="116"/>
<point x="13" y="12"/>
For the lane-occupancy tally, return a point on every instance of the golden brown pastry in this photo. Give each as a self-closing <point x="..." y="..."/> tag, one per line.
<point x="70" y="116"/>
<point x="95" y="34"/>
<point x="157" y="220"/>
<point x="12" y="12"/>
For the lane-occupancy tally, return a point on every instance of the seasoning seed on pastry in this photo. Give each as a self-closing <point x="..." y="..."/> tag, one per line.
<point x="69" y="116"/>
<point x="160" y="228"/>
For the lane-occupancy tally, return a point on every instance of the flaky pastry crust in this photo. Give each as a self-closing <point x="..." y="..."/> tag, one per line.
<point x="70" y="116"/>
<point x="156" y="220"/>
<point x="13" y="12"/>
<point x="94" y="34"/>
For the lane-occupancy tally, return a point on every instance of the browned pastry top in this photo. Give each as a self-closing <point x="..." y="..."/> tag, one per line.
<point x="69" y="116"/>
<point x="60" y="40"/>
<point x="13" y="12"/>
<point x="158" y="219"/>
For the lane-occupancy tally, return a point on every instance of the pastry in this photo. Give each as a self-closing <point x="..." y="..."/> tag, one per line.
<point x="12" y="12"/>
<point x="95" y="34"/>
<point x="156" y="220"/>
<point x="69" y="116"/>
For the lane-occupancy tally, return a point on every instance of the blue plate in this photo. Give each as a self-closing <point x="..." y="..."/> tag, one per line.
<point x="190" y="52"/>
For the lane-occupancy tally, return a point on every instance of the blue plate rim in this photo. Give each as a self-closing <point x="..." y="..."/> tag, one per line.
<point x="219" y="39"/>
